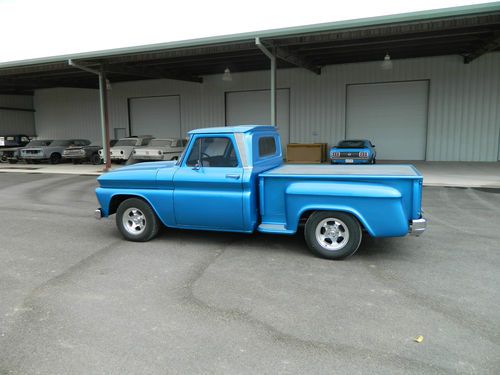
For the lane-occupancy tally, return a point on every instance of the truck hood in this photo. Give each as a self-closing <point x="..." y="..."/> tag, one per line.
<point x="140" y="175"/>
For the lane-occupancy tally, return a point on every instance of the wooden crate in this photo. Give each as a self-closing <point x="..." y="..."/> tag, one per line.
<point x="306" y="152"/>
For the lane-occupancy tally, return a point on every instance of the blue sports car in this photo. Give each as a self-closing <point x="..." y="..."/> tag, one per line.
<point x="353" y="151"/>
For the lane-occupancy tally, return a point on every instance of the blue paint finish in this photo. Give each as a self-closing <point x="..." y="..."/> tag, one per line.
<point x="259" y="190"/>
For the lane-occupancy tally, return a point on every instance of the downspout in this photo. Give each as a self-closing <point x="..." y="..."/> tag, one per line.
<point x="103" y="99"/>
<point x="273" y="78"/>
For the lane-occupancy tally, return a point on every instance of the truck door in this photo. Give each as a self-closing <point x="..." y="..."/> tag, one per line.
<point x="208" y="192"/>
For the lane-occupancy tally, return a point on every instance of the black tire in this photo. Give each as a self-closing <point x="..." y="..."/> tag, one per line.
<point x="13" y="161"/>
<point x="55" y="158"/>
<point x="346" y="224"/>
<point x="28" y="161"/>
<point x="95" y="159"/>
<point x="146" y="218"/>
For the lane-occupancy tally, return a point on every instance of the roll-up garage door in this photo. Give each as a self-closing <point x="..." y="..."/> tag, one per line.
<point x="253" y="108"/>
<point x="17" y="121"/>
<point x="157" y="116"/>
<point x="392" y="115"/>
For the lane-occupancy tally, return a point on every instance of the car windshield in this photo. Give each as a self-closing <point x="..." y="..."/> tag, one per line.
<point x="351" y="144"/>
<point x="61" y="143"/>
<point x="161" y="142"/>
<point x="38" y="143"/>
<point x="126" y="142"/>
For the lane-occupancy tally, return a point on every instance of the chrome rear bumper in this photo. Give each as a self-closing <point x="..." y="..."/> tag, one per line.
<point x="417" y="227"/>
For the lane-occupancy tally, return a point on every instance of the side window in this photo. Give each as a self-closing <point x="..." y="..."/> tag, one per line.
<point x="24" y="139"/>
<point x="213" y="152"/>
<point x="267" y="146"/>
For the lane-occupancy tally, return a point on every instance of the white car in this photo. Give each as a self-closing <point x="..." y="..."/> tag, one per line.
<point x="122" y="149"/>
<point x="160" y="149"/>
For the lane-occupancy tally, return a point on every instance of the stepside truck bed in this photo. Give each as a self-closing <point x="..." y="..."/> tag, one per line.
<point x="371" y="193"/>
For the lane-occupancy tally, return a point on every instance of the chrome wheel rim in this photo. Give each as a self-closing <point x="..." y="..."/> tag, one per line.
<point x="332" y="234"/>
<point x="134" y="221"/>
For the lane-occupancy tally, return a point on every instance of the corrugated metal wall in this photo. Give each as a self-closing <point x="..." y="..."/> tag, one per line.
<point x="67" y="113"/>
<point x="16" y="122"/>
<point x="463" y="122"/>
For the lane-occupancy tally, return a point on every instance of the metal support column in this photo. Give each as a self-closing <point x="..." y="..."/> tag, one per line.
<point x="103" y="101"/>
<point x="272" y="57"/>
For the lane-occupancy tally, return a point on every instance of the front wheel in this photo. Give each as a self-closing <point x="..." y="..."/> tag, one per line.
<point x="332" y="234"/>
<point x="95" y="159"/>
<point x="136" y="220"/>
<point x="55" y="158"/>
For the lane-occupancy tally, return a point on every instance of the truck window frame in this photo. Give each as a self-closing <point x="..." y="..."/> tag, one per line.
<point x="193" y="140"/>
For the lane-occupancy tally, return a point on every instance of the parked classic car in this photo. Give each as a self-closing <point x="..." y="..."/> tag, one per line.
<point x="80" y="154"/>
<point x="10" y="146"/>
<point x="122" y="149"/>
<point x="160" y="149"/>
<point x="233" y="179"/>
<point x="37" y="151"/>
<point x="353" y="151"/>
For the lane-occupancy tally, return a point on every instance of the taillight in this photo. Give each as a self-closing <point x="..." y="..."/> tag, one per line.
<point x="336" y="154"/>
<point x="363" y="154"/>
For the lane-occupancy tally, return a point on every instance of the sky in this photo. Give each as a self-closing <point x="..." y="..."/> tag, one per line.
<point x="41" y="28"/>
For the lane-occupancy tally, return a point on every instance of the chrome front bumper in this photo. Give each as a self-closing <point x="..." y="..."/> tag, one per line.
<point x="98" y="214"/>
<point x="417" y="227"/>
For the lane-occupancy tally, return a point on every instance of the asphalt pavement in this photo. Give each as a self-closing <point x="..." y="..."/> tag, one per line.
<point x="77" y="299"/>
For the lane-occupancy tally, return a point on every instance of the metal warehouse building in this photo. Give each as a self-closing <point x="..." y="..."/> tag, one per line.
<point x="421" y="86"/>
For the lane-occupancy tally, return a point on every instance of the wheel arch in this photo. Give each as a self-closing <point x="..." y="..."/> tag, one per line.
<point x="117" y="199"/>
<point x="307" y="211"/>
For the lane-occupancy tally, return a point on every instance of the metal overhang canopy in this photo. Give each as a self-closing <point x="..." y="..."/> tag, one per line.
<point x="468" y="31"/>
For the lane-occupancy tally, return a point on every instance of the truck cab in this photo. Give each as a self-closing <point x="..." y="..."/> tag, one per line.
<point x="233" y="179"/>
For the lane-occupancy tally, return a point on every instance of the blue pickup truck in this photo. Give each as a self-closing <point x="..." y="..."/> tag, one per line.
<point x="233" y="179"/>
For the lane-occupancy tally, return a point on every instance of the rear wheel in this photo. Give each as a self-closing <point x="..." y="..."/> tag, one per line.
<point x="332" y="234"/>
<point x="136" y="220"/>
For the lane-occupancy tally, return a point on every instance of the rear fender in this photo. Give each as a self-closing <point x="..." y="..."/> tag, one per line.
<point x="378" y="207"/>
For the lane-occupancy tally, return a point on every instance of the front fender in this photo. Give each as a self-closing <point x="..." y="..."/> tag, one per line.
<point x="161" y="201"/>
<point x="379" y="208"/>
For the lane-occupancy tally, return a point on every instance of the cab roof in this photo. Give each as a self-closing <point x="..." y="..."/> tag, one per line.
<point x="233" y="129"/>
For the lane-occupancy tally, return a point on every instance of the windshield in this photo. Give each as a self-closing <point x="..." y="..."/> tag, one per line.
<point x="161" y="142"/>
<point x="126" y="142"/>
<point x="61" y="143"/>
<point x="351" y="144"/>
<point x="38" y="143"/>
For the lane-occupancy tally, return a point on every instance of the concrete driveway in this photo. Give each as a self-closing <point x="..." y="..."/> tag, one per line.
<point x="436" y="173"/>
<point x="77" y="299"/>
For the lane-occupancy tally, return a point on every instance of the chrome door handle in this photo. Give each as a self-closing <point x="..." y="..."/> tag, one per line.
<point x="233" y="175"/>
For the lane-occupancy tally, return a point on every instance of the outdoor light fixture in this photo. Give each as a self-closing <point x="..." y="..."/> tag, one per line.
<point x="387" y="63"/>
<point x="227" y="75"/>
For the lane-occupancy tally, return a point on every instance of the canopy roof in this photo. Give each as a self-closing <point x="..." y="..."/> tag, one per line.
<point x="468" y="31"/>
